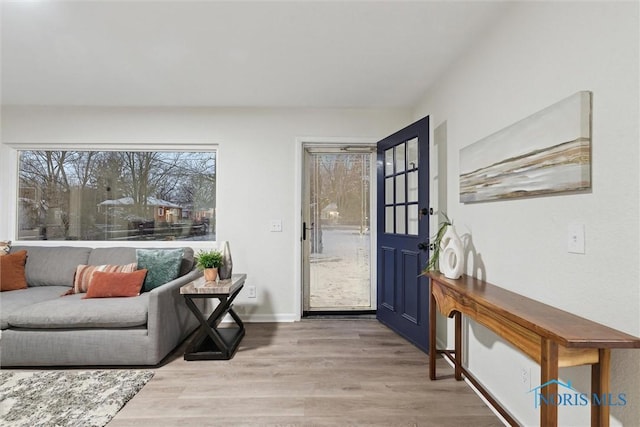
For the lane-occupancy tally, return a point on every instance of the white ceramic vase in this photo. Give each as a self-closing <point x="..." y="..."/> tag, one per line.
<point x="227" y="263"/>
<point x="451" y="254"/>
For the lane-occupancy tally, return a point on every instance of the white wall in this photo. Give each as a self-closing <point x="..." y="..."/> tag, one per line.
<point x="257" y="179"/>
<point x="540" y="53"/>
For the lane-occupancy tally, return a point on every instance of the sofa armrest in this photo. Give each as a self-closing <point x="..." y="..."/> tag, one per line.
<point x="169" y="319"/>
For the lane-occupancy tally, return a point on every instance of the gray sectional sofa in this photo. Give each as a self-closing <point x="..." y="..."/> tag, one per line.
<point x="41" y="328"/>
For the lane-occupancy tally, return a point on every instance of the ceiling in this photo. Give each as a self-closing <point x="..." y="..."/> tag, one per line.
<point x="233" y="54"/>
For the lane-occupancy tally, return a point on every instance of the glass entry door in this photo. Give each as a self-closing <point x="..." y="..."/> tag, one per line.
<point x="337" y="243"/>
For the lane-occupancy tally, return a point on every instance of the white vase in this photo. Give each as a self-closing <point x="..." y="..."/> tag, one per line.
<point x="227" y="263"/>
<point x="451" y="254"/>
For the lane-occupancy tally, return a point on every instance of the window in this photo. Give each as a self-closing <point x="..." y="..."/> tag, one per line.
<point x="116" y="195"/>
<point x="401" y="188"/>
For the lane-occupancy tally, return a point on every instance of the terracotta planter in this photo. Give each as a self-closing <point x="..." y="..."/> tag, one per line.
<point x="210" y="274"/>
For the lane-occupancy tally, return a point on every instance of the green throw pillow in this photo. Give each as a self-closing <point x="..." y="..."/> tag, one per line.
<point x="163" y="266"/>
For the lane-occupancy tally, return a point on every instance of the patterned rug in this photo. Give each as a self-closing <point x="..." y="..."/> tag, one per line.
<point x="66" y="398"/>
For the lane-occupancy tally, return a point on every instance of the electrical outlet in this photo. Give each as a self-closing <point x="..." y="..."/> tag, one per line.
<point x="251" y="291"/>
<point x="525" y="377"/>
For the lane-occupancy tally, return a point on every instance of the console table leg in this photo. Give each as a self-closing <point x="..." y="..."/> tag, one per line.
<point x="432" y="334"/>
<point x="458" y="348"/>
<point x="600" y="378"/>
<point x="548" y="378"/>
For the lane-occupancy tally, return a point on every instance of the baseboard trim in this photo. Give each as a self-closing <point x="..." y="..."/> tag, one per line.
<point x="264" y="318"/>
<point x="475" y="385"/>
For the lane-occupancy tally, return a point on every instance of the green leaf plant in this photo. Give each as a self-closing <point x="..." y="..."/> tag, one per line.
<point x="209" y="259"/>
<point x="434" y="243"/>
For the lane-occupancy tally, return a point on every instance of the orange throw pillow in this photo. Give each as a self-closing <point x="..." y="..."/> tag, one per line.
<point x="109" y="285"/>
<point x="12" y="271"/>
<point x="84" y="273"/>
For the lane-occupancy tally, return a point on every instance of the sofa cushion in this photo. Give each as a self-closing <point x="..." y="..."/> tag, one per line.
<point x="113" y="255"/>
<point x="12" y="273"/>
<point x="14" y="301"/>
<point x="84" y="274"/>
<point x="115" y="284"/>
<point x="74" y="312"/>
<point x="126" y="255"/>
<point x="53" y="265"/>
<point x="188" y="261"/>
<point x="163" y="265"/>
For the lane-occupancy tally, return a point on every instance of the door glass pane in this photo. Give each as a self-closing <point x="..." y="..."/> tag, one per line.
<point x="388" y="191"/>
<point x="388" y="219"/>
<point x="400" y="188"/>
<point x="400" y="158"/>
<point x="412" y="220"/>
<point x="388" y="162"/>
<point x="412" y="186"/>
<point x="400" y="220"/>
<point x="339" y="262"/>
<point x="412" y="153"/>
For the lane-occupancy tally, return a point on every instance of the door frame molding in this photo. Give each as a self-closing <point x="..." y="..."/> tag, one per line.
<point x="300" y="144"/>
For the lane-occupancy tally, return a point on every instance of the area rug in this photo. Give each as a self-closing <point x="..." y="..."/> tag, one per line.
<point x="66" y="398"/>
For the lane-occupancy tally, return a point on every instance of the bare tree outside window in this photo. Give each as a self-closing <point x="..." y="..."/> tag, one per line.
<point x="340" y="194"/>
<point x="114" y="195"/>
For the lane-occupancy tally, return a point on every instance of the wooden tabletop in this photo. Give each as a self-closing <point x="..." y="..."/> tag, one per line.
<point x="547" y="321"/>
<point x="220" y="287"/>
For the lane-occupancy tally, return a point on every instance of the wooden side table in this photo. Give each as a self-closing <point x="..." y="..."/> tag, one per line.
<point x="209" y="342"/>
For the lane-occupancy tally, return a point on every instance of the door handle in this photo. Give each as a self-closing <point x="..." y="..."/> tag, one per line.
<point x="304" y="230"/>
<point x="425" y="212"/>
<point x="423" y="246"/>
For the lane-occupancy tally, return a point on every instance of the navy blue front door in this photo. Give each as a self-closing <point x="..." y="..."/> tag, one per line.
<point x="403" y="198"/>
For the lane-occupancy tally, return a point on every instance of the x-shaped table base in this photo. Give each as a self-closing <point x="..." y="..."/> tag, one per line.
<point x="209" y="342"/>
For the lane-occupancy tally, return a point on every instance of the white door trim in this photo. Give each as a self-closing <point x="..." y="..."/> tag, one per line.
<point x="300" y="143"/>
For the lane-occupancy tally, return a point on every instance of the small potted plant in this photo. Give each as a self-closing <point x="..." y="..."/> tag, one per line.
<point x="209" y="262"/>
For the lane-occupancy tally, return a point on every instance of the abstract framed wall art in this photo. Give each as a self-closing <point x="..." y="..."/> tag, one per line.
<point x="545" y="153"/>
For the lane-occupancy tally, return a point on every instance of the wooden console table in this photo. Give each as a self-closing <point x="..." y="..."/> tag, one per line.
<point x="550" y="336"/>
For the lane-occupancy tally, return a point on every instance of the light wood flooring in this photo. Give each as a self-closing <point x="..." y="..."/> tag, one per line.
<point x="313" y="372"/>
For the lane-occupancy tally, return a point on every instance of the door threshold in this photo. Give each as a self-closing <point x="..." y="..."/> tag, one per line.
<point x="339" y="314"/>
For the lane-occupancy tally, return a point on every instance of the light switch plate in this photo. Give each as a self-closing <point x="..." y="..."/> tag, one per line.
<point x="575" y="244"/>
<point x="276" y="226"/>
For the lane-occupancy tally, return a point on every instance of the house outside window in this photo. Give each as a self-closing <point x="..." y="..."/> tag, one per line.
<point x="116" y="195"/>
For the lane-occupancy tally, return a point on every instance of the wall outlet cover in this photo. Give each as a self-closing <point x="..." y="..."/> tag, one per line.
<point x="251" y="291"/>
